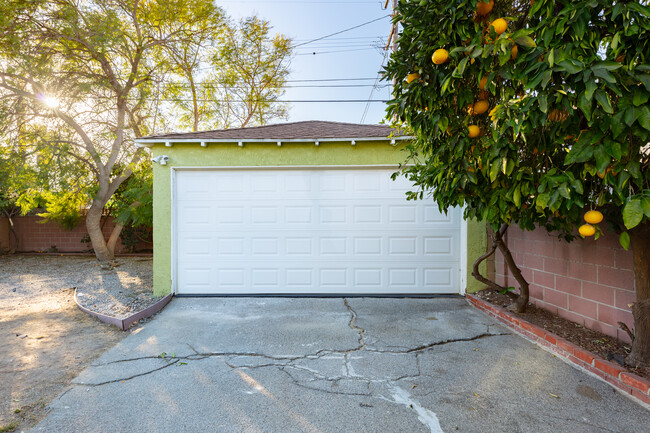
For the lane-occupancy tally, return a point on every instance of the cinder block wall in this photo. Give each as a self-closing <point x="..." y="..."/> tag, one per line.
<point x="36" y="236"/>
<point x="590" y="282"/>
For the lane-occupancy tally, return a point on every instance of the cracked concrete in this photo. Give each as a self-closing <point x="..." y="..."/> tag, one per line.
<point x="332" y="365"/>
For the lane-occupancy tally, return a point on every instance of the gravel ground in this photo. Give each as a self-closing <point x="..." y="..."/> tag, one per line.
<point x="119" y="292"/>
<point x="45" y="339"/>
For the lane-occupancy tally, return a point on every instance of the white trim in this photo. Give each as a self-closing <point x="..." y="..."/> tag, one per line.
<point x="148" y="142"/>
<point x="174" y="242"/>
<point x="174" y="262"/>
<point x="286" y="167"/>
<point x="463" y="252"/>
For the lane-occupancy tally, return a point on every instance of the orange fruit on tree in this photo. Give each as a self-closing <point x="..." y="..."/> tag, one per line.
<point x="587" y="230"/>
<point x="440" y="56"/>
<point x="593" y="217"/>
<point x="474" y="131"/>
<point x="482" y="83"/>
<point x="620" y="58"/>
<point x="481" y="107"/>
<point x="500" y="25"/>
<point x="483" y="94"/>
<point x="411" y="77"/>
<point x="513" y="52"/>
<point x="483" y="8"/>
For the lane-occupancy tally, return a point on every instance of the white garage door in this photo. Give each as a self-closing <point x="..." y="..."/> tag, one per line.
<point x="310" y="231"/>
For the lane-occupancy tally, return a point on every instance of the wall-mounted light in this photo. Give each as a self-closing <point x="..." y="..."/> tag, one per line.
<point x="162" y="159"/>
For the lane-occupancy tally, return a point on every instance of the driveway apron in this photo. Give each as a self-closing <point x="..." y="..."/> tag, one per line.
<point x="334" y="365"/>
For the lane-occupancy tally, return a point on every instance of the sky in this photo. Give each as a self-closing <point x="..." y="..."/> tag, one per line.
<point x="341" y="67"/>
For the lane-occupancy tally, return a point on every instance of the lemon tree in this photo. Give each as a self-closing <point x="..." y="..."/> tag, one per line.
<point x="566" y="130"/>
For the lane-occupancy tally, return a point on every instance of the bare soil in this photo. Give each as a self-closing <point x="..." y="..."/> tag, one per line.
<point x="46" y="340"/>
<point x="596" y="342"/>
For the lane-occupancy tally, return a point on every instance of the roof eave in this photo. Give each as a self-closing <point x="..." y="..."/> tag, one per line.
<point x="149" y="142"/>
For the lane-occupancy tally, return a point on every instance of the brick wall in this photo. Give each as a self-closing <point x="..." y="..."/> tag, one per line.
<point x="590" y="282"/>
<point x="35" y="236"/>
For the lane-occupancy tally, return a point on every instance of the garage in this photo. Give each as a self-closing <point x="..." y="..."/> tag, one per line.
<point x="305" y="208"/>
<point x="337" y="231"/>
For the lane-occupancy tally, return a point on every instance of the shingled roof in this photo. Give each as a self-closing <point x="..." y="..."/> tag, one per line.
<point x="309" y="130"/>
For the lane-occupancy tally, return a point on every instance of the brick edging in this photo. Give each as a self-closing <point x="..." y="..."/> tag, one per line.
<point x="635" y="386"/>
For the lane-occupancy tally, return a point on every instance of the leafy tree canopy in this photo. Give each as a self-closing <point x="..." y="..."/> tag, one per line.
<point x="567" y="86"/>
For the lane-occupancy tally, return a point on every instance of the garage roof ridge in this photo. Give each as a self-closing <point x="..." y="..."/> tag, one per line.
<point x="304" y="131"/>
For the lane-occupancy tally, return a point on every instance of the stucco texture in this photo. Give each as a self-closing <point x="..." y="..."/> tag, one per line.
<point x="260" y="155"/>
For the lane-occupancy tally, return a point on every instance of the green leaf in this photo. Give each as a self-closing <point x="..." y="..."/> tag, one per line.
<point x="494" y="169"/>
<point x="534" y="82"/>
<point x="615" y="41"/>
<point x="645" y="79"/>
<point x="516" y="196"/>
<point x="617" y="124"/>
<point x="603" y="99"/>
<point x="624" y="240"/>
<point x="609" y="66"/>
<point x="543" y="104"/>
<point x="547" y="77"/>
<point x="640" y="97"/>
<point x="602" y="159"/>
<point x="569" y="67"/>
<point x="458" y="72"/>
<point x="644" y="117"/>
<point x="645" y="205"/>
<point x="604" y="74"/>
<point x="590" y="88"/>
<point x="631" y="114"/>
<point x="585" y="105"/>
<point x="551" y="57"/>
<point x="542" y="201"/>
<point x="525" y="41"/>
<point x="632" y="213"/>
<point x="564" y="191"/>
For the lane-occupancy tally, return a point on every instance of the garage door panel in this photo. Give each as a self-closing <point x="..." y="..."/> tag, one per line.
<point x="310" y="231"/>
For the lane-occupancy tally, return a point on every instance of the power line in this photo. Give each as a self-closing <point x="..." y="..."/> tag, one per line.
<point x="374" y="87"/>
<point x="300" y="2"/>
<point x="294" y="101"/>
<point x="313" y="53"/>
<point x="342" y="31"/>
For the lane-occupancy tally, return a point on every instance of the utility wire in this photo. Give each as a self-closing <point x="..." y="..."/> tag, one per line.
<point x="313" y="53"/>
<point x="374" y="87"/>
<point x="276" y="101"/>
<point x="342" y="31"/>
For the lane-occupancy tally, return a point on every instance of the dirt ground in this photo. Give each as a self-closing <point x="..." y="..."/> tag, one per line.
<point x="45" y="339"/>
<point x="596" y="342"/>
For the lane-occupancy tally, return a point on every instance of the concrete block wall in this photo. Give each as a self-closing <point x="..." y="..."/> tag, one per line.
<point x="588" y="281"/>
<point x="36" y="236"/>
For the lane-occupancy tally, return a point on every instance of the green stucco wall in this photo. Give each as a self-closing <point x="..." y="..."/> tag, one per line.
<point x="258" y="155"/>
<point x="476" y="247"/>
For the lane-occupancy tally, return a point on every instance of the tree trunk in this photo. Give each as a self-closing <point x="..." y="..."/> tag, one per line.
<point x="476" y="273"/>
<point x="519" y="306"/>
<point x="640" y="241"/>
<point x="115" y="236"/>
<point x="93" y="226"/>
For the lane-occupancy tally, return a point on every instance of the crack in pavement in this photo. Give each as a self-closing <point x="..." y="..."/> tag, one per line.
<point x="455" y="340"/>
<point x="286" y="363"/>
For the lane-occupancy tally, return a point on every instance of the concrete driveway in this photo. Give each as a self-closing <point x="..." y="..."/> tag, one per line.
<point x="334" y="365"/>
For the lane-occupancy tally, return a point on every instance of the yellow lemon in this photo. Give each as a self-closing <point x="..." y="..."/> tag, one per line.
<point x="411" y="77"/>
<point x="500" y="25"/>
<point x="481" y="107"/>
<point x="593" y="217"/>
<point x="474" y="131"/>
<point x="440" y="56"/>
<point x="587" y="230"/>
<point x="483" y="8"/>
